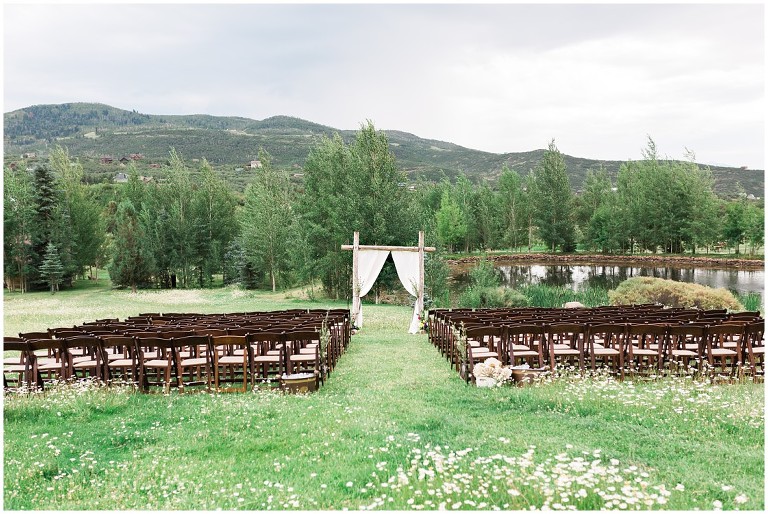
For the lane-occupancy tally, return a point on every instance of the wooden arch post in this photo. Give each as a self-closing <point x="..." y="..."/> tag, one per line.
<point x="355" y="247"/>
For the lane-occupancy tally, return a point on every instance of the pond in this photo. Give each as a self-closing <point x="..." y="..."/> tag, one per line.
<point x="582" y="276"/>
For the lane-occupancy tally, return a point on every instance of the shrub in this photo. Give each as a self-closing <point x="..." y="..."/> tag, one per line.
<point x="484" y="275"/>
<point x="485" y="289"/>
<point x="542" y="295"/>
<point x="672" y="294"/>
<point x="751" y="301"/>
<point x="484" y="297"/>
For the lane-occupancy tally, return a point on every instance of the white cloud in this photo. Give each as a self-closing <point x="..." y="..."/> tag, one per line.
<point x="597" y="78"/>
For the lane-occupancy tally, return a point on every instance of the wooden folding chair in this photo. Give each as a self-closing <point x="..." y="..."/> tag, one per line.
<point x="303" y="351"/>
<point x="753" y="348"/>
<point x="84" y="354"/>
<point x="48" y="369"/>
<point x="157" y="362"/>
<point x="231" y="359"/>
<point x="523" y="342"/>
<point x="269" y="357"/>
<point x="120" y="359"/>
<point x="17" y="369"/>
<point x="645" y="345"/>
<point x="722" y="348"/>
<point x="685" y="343"/>
<point x="566" y="340"/>
<point x="194" y="362"/>
<point x="605" y="341"/>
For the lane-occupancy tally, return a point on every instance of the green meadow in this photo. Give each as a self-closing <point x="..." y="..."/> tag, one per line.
<point x="393" y="428"/>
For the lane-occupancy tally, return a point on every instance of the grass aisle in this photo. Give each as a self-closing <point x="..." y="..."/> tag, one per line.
<point x="393" y="428"/>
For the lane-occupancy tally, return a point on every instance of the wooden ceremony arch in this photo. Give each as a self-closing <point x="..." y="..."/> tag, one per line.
<point x="356" y="247"/>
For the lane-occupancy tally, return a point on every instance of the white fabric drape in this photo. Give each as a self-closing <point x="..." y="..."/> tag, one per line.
<point x="369" y="264"/>
<point x="407" y="265"/>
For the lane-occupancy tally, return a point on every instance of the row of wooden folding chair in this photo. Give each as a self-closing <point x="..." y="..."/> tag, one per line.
<point x="442" y="322"/>
<point x="637" y="347"/>
<point x="43" y="360"/>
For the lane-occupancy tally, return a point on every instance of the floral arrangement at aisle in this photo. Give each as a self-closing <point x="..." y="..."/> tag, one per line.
<point x="491" y="373"/>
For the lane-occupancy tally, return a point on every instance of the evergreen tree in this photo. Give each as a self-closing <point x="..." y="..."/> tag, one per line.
<point x="552" y="199"/>
<point x="215" y="225"/>
<point x="51" y="269"/>
<point x="85" y="228"/>
<point x="50" y="227"/>
<point x="132" y="263"/>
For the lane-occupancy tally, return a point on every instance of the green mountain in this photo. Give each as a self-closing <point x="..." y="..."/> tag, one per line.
<point x="91" y="131"/>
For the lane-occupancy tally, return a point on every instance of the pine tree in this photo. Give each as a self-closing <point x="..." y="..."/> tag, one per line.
<point x="51" y="268"/>
<point x="47" y="221"/>
<point x="215" y="226"/>
<point x="132" y="262"/>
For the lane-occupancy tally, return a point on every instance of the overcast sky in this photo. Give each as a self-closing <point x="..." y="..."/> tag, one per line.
<point x="598" y="79"/>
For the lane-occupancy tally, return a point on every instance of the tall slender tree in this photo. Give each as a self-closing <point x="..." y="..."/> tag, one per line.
<point x="552" y="199"/>
<point x="86" y="228"/>
<point x="349" y="188"/>
<point x="268" y="222"/>
<point x="132" y="260"/>
<point x="19" y="227"/>
<point x="512" y="208"/>
<point x="213" y="208"/>
<point x="326" y="214"/>
<point x="451" y="222"/>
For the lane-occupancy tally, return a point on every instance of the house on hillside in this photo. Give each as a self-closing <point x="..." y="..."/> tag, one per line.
<point x="154" y="165"/>
<point x="136" y="156"/>
<point x="256" y="164"/>
<point x="124" y="160"/>
<point x="106" y="159"/>
<point x="29" y="155"/>
<point x="121" y="178"/>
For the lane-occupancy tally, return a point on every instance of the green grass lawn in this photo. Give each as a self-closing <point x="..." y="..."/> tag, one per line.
<point x="394" y="428"/>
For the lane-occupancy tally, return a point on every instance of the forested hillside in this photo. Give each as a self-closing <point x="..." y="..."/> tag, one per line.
<point x="91" y="131"/>
<point x="187" y="225"/>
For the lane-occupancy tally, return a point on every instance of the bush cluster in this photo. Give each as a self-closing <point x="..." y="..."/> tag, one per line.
<point x="485" y="297"/>
<point x="485" y="289"/>
<point x="639" y="290"/>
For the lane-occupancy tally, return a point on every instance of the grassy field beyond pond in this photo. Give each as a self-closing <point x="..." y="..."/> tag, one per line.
<point x="394" y="428"/>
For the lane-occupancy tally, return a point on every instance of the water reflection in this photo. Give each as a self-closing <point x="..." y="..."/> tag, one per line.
<point x="609" y="276"/>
